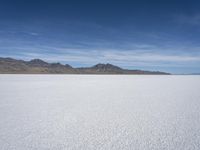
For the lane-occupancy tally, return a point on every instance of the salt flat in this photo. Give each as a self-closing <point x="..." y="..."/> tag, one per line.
<point x="99" y="112"/>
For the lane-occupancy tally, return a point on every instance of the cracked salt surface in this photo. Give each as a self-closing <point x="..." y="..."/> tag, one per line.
<point x="99" y="112"/>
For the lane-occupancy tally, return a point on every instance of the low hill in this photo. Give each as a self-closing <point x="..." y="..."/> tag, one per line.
<point x="38" y="66"/>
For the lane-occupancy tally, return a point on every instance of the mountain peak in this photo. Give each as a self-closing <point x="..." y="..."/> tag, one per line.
<point x="106" y="66"/>
<point x="37" y="62"/>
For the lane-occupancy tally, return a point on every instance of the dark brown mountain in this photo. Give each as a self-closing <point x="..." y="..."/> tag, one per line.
<point x="38" y="66"/>
<point x="35" y="66"/>
<point x="111" y="69"/>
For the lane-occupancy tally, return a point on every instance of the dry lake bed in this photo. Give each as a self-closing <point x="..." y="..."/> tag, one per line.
<point x="99" y="112"/>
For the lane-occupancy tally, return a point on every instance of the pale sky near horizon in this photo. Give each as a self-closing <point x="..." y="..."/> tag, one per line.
<point x="139" y="34"/>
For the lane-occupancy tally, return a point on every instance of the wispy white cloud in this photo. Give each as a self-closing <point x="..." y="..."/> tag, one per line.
<point x="150" y="57"/>
<point x="33" y="33"/>
<point x="122" y="58"/>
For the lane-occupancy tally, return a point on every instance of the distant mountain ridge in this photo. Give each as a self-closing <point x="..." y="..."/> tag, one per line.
<point x="38" y="66"/>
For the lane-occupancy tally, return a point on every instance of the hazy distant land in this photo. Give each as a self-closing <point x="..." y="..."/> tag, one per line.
<point x="38" y="66"/>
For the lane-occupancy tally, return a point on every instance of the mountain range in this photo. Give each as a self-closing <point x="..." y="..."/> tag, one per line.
<point x="38" y="66"/>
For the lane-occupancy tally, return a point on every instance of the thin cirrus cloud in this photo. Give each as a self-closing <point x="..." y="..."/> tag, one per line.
<point x="193" y="19"/>
<point x="122" y="58"/>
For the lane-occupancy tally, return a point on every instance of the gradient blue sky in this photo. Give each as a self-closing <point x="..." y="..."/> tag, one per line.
<point x="144" y="34"/>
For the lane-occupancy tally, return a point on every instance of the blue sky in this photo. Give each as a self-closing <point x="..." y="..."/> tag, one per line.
<point x="145" y="34"/>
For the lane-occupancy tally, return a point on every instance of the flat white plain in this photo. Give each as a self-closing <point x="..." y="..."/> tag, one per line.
<point x="99" y="112"/>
